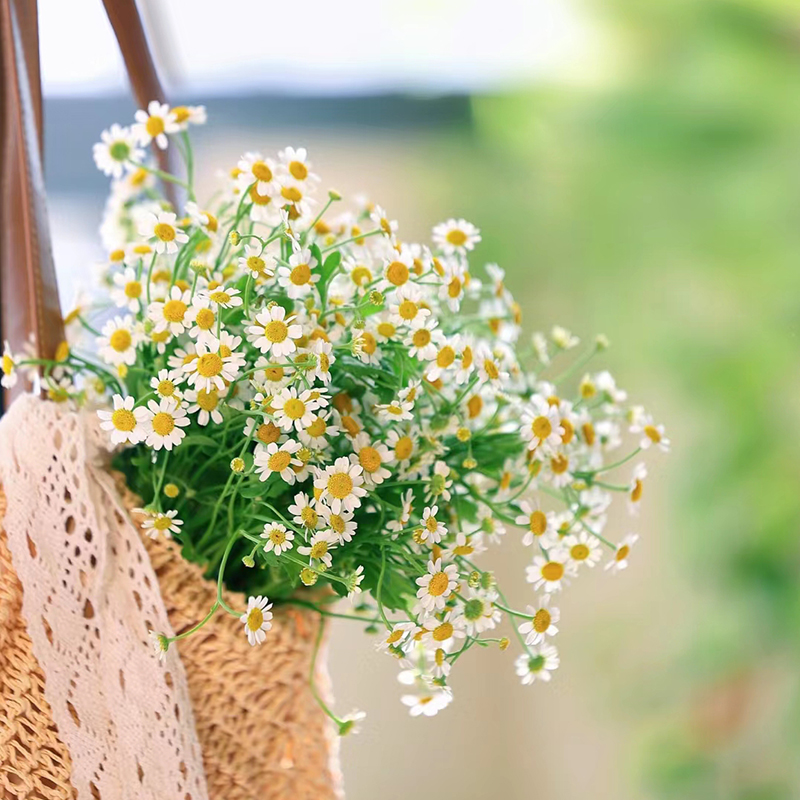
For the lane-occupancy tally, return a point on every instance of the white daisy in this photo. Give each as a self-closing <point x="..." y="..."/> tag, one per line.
<point x="542" y="623"/>
<point x="224" y="296"/>
<point x="318" y="549"/>
<point x="371" y="457"/>
<point x="128" y="290"/>
<point x="118" y="341"/>
<point x="211" y="369"/>
<point x="259" y="173"/>
<point x="154" y="124"/>
<point x="429" y="703"/>
<point x="272" y="333"/>
<point x="279" y="538"/>
<point x="298" y="278"/>
<point x="171" y="314"/>
<point x="341" y="485"/>
<point x="583" y="548"/>
<point x="115" y="150"/>
<point x="294" y="410"/>
<point x="324" y="352"/>
<point x="538" y="665"/>
<point x="257" y="619"/>
<point x="166" y="383"/>
<point x="620" y="560"/>
<point x="304" y="511"/>
<point x="540" y="425"/>
<point x="205" y="403"/>
<point x="433" y="529"/>
<point x="409" y="308"/>
<point x="436" y="586"/>
<point x="163" y="423"/>
<point x="539" y="525"/>
<point x="275" y="458"/>
<point x="549" y="574"/>
<point x="652" y="434"/>
<point x="162" y="231"/>
<point x="260" y="264"/>
<point x="456" y="236"/>
<point x="124" y="422"/>
<point x="186" y="115"/>
<point x="341" y="526"/>
<point x="156" y="522"/>
<point x="203" y="321"/>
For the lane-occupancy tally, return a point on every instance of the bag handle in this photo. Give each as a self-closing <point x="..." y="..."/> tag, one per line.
<point x="28" y="291"/>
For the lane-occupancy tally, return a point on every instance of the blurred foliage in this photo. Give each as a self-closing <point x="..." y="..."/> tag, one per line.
<point x="661" y="202"/>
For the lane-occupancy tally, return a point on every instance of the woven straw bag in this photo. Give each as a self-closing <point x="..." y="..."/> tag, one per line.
<point x="250" y="710"/>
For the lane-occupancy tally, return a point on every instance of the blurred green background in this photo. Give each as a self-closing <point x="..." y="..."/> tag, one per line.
<point x="649" y="191"/>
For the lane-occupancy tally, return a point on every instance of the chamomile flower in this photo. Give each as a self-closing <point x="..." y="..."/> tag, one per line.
<point x="128" y="290"/>
<point x="203" y="321"/>
<point x="154" y="124"/>
<point x="408" y="309"/>
<point x="341" y="526"/>
<point x="8" y="365"/>
<point x="444" y="632"/>
<point x="258" y="263"/>
<point x="479" y="612"/>
<point x="279" y="459"/>
<point x="636" y="487"/>
<point x="257" y="619"/>
<point x="371" y="457"/>
<point x="272" y="332"/>
<point x="189" y="115"/>
<point x="341" y="485"/>
<point x="171" y="314"/>
<point x="436" y="586"/>
<point x="299" y="278"/>
<point x="316" y="434"/>
<point x="394" y="639"/>
<point x="354" y="580"/>
<point x="166" y="383"/>
<point x="115" y="150"/>
<point x="538" y="665"/>
<point x="550" y="574"/>
<point x="396" y="411"/>
<point x="439" y="483"/>
<point x="157" y="523"/>
<point x="583" y="549"/>
<point x="428" y="703"/>
<point x="294" y="410"/>
<point x="258" y="173"/>
<point x="124" y="423"/>
<point x="539" y="525"/>
<point x="423" y="341"/>
<point x="652" y="434"/>
<point x="296" y="165"/>
<point x="211" y="369"/>
<point x="304" y="511"/>
<point x="456" y="236"/>
<point x="540" y="425"/>
<point x="619" y="561"/>
<point x="319" y="548"/>
<point x="163" y="423"/>
<point x="542" y="622"/>
<point x="224" y="296"/>
<point x="278" y="538"/>
<point x="162" y="231"/>
<point x="432" y="528"/>
<point x="325" y="359"/>
<point x="118" y="341"/>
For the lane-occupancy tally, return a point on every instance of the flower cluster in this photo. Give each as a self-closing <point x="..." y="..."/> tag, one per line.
<point x="315" y="408"/>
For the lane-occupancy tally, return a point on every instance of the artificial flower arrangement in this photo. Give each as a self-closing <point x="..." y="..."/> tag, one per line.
<point x="315" y="409"/>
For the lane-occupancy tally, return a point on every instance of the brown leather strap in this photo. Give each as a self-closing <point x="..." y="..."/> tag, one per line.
<point x="28" y="291"/>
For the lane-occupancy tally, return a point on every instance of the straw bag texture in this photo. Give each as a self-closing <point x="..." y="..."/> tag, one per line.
<point x="259" y="729"/>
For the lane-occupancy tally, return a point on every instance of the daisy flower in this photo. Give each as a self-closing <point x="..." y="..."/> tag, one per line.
<point x="549" y="573"/>
<point x="316" y="432"/>
<point x="293" y="410"/>
<point x="408" y="308"/>
<point x="279" y="538"/>
<point x="341" y="485"/>
<point x="258" y="173"/>
<point x="280" y="459"/>
<point x="636" y="487"/>
<point x="341" y="525"/>
<point x="396" y="411"/>
<point x="162" y="229"/>
<point x="124" y="422"/>
<point x="653" y="434"/>
<point x="154" y="124"/>
<point x="444" y="359"/>
<point x="444" y="632"/>
<point x="186" y="115"/>
<point x="203" y="322"/>
<point x="225" y="297"/>
<point x="433" y="530"/>
<point x="9" y="368"/>
<point x="115" y="150"/>
<point x="436" y="586"/>
<point x="156" y="523"/>
<point x="456" y="236"/>
<point x="211" y="370"/>
<point x="427" y="704"/>
<point x="439" y="482"/>
<point x="538" y="524"/>
<point x="538" y="665"/>
<point x="166" y="383"/>
<point x="422" y="342"/>
<point x="620" y="560"/>
<point x="303" y="511"/>
<point x="296" y="165"/>
<point x="171" y="314"/>
<point x="542" y="622"/>
<point x="584" y="548"/>
<point x="394" y="638"/>
<point x="318" y="549"/>
<point x="541" y="425"/>
<point x="371" y="456"/>
<point x="128" y="290"/>
<point x="118" y="341"/>
<point x="205" y="403"/>
<point x="397" y="271"/>
<point x="163" y="423"/>
<point x="257" y="619"/>
<point x="480" y="613"/>
<point x="407" y="506"/>
<point x="258" y="263"/>
<point x="272" y="333"/>
<point x="490" y="369"/>
<point x="403" y="445"/>
<point x="298" y="278"/>
<point x="324" y="352"/>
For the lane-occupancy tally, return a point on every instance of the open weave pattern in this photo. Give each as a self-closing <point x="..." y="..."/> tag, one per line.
<point x="262" y="734"/>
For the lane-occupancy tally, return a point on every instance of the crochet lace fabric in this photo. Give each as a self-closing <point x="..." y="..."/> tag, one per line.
<point x="91" y="593"/>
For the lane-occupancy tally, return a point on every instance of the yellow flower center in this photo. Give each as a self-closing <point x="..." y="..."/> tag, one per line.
<point x="181" y="113"/>
<point x="256" y="264"/>
<point x="162" y="523"/>
<point x="277" y="536"/>
<point x="456" y="237"/>
<point x="386" y="329"/>
<point x="324" y="362"/>
<point x="309" y="517"/>
<point x="340" y="484"/>
<point x="466" y="358"/>
<point x="474" y="406"/>
<point x="259" y="199"/>
<point x="120" y="340"/>
<point x="174" y="310"/>
<point x="300" y="275"/>
<point x="541" y="620"/>
<point x="397" y="273"/>
<point x="294" y="408"/>
<point x="133" y="290"/>
<point x="255" y="619"/>
<point x="166" y="388"/>
<point x="491" y="370"/>
<point x="541" y="427"/>
<point x="261" y="171"/>
<point x="421" y="338"/>
<point x="360" y="275"/>
<point x="276" y="331"/>
<point x="432" y="524"/>
<point x="298" y="170"/>
<point x="438" y="584"/>
<point x="209" y="365"/>
<point x="319" y="549"/>
<point x="553" y="571"/>
<point x="207" y="400"/>
<point x="445" y="357"/>
<point x="403" y="448"/>
<point x="454" y="288"/>
<point x="274" y="374"/>
<point x="636" y="493"/>
<point x="579" y="552"/>
<point x="368" y="343"/>
<point x="441" y="633"/>
<point x="569" y="431"/>
<point x="652" y="433"/>
<point x="407" y="310"/>
<point x="268" y="433"/>
<point x="205" y="319"/>
<point x="317" y="428"/>
<point x="166" y="233"/>
<point x="220" y="297"/>
<point x="588" y="433"/>
<point x="622" y="553"/>
<point x="123" y="420"/>
<point x="370" y="459"/>
<point x="559" y="464"/>
<point x="538" y="523"/>
<point x="279" y="461"/>
<point x="337" y="523"/>
<point x="292" y="194"/>
<point x="163" y="423"/>
<point x="350" y="425"/>
<point x="394" y="636"/>
<point x="154" y="126"/>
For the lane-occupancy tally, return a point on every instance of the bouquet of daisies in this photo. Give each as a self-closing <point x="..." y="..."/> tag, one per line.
<point x="314" y="408"/>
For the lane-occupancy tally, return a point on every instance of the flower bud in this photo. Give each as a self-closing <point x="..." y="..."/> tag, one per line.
<point x="237" y="465"/>
<point x="235" y="238"/>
